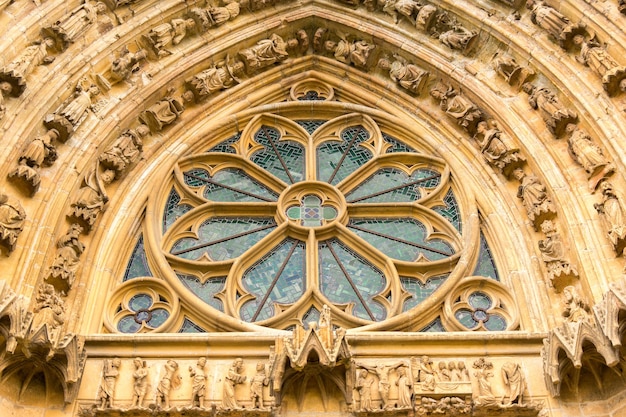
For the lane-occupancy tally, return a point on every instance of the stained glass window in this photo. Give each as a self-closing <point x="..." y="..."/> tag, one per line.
<point x="138" y="264"/>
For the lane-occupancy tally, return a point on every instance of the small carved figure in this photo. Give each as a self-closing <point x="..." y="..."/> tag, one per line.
<point x="92" y="198"/>
<point x="553" y="253"/>
<point x="140" y="385"/>
<point x="576" y="309"/>
<point x="12" y="217"/>
<point x="588" y="155"/>
<point x="161" y="114"/>
<point x="49" y="309"/>
<point x="233" y="377"/>
<point x="459" y="38"/>
<point x="534" y="197"/>
<point x="405" y="388"/>
<point x="453" y="371"/>
<point x="257" y="382"/>
<point x="363" y="386"/>
<point x="556" y="116"/>
<point x="127" y="63"/>
<point x="166" y="34"/>
<point x="214" y="15"/>
<point x="125" y="151"/>
<point x="68" y="118"/>
<point x="426" y="374"/>
<point x="63" y="269"/>
<point x="613" y="213"/>
<point x="463" y="371"/>
<point x="265" y="53"/>
<point x="106" y="392"/>
<point x="554" y="22"/>
<point x="16" y="72"/>
<point x="219" y="77"/>
<point x="598" y="59"/>
<point x="514" y="384"/>
<point x="356" y="53"/>
<point x="401" y="7"/>
<point x="5" y="90"/>
<point x="39" y="152"/>
<point x="458" y="107"/>
<point x="171" y="380"/>
<point x="71" y="26"/>
<point x="494" y="150"/>
<point x="512" y="72"/>
<point x="425" y="17"/>
<point x="381" y="370"/>
<point x="483" y="372"/>
<point x="408" y="76"/>
<point x="198" y="383"/>
<point x="443" y="373"/>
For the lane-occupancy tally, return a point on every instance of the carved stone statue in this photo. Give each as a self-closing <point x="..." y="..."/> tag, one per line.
<point x="463" y="371"/>
<point x="232" y="378"/>
<point x="106" y="392"/>
<point x="16" y="72"/>
<point x="459" y="38"/>
<point x="556" y="115"/>
<point x="553" y="254"/>
<point x="140" y="384"/>
<point x="266" y="52"/>
<point x="127" y="63"/>
<point x="598" y="59"/>
<point x="406" y="8"/>
<point x="49" y="309"/>
<point x="443" y="372"/>
<point x="494" y="150"/>
<point x="576" y="309"/>
<point x="68" y="118"/>
<point x="161" y="114"/>
<point x="483" y="372"/>
<point x="257" y="382"/>
<point x="5" y="90"/>
<point x="554" y="22"/>
<point x="92" y="198"/>
<point x="214" y="15"/>
<point x="514" y="383"/>
<point x="408" y="76"/>
<point x="613" y="213"/>
<point x="63" y="270"/>
<point x="512" y="72"/>
<point x="534" y="197"/>
<point x="426" y="374"/>
<point x="425" y="17"/>
<point x="458" y="107"/>
<point x="39" y="152"/>
<point x="198" y="383"/>
<point x="170" y="380"/>
<point x="381" y="370"/>
<point x="588" y="155"/>
<point x="71" y="26"/>
<point x="125" y="151"/>
<point x="405" y="388"/>
<point x="363" y="386"/>
<point x="219" y="77"/>
<point x="356" y="53"/>
<point x="162" y="36"/>
<point x="12" y="217"/>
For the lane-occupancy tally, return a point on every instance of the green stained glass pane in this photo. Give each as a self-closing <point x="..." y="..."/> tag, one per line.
<point x="310" y="125"/>
<point x="190" y="327"/>
<point x="346" y="277"/>
<point x="173" y="210"/>
<point x="451" y="210"/>
<point x="138" y="264"/>
<point x="234" y="185"/>
<point x="347" y="154"/>
<point x="280" y="275"/>
<point x="311" y="316"/>
<point x="206" y="292"/>
<point x="466" y="318"/>
<point x="140" y="302"/>
<point x="127" y="324"/>
<point x="403" y="239"/>
<point x="284" y="159"/>
<point x="159" y="316"/>
<point x="224" y="238"/>
<point x="393" y="185"/>
<point x="396" y="145"/>
<point x="196" y="177"/>
<point x="434" y="326"/>
<point x="496" y="323"/>
<point x="419" y="292"/>
<point x="485" y="266"/>
<point x="225" y="146"/>
<point x="479" y="300"/>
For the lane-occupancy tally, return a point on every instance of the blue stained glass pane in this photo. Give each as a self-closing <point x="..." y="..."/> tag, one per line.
<point x="190" y="327"/>
<point x="310" y="125"/>
<point x="282" y="158"/>
<point x="485" y="266"/>
<point x="451" y="210"/>
<point x="225" y="146"/>
<point x="396" y="145"/>
<point x="159" y="316"/>
<point x="127" y="324"/>
<point x="393" y="185"/>
<point x="138" y="264"/>
<point x="224" y="238"/>
<point x="434" y="326"/>
<point x="260" y="280"/>
<point x="479" y="300"/>
<point x="466" y="318"/>
<point x="496" y="323"/>
<point x="205" y="291"/>
<point x="348" y="155"/>
<point x="234" y="185"/>
<point x="363" y="282"/>
<point x="403" y="239"/>
<point x="420" y="292"/>
<point x="173" y="210"/>
<point x="140" y="302"/>
<point x="311" y="316"/>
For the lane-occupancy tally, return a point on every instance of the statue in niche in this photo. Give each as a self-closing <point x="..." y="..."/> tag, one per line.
<point x="12" y="217"/>
<point x="92" y="198"/>
<point x="68" y="118"/>
<point x="556" y="116"/>
<point x="214" y="15"/>
<point x="69" y="249"/>
<point x="70" y="27"/>
<point x="482" y="374"/>
<point x="126" y="63"/>
<point x="534" y="197"/>
<point x="39" y="152"/>
<point x="16" y="72"/>
<point x="271" y="51"/>
<point x="553" y="253"/>
<point x="458" y="107"/>
<point x="588" y="155"/>
<point x="257" y="382"/>
<point x="171" y="380"/>
<point x="382" y="372"/>
<point x="405" y="388"/>
<point x="598" y="59"/>
<point x="140" y="384"/>
<point x="162" y="36"/>
<point x="49" y="308"/>
<point x="514" y="383"/>
<point x="459" y="38"/>
<point x="512" y="72"/>
<point x="125" y="151"/>
<point x="576" y="309"/>
<point x="198" y="383"/>
<point x="408" y="76"/>
<point x="426" y="374"/>
<point x="232" y="378"/>
<point x="106" y="392"/>
<point x="494" y="150"/>
<point x="363" y="386"/>
<point x="555" y="23"/>
<point x="162" y="113"/>
<point x="221" y="76"/>
<point x="613" y="213"/>
<point x="443" y="373"/>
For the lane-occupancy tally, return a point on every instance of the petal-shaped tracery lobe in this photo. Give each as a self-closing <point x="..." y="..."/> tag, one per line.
<point x="173" y="209"/>
<point x="228" y="185"/>
<point x="205" y="291"/>
<point x="223" y="238"/>
<point x="391" y="185"/>
<point x="347" y="278"/>
<point x="282" y="158"/>
<point x="403" y="239"/>
<point x="420" y="291"/>
<point x="337" y="160"/>
<point x="276" y="278"/>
